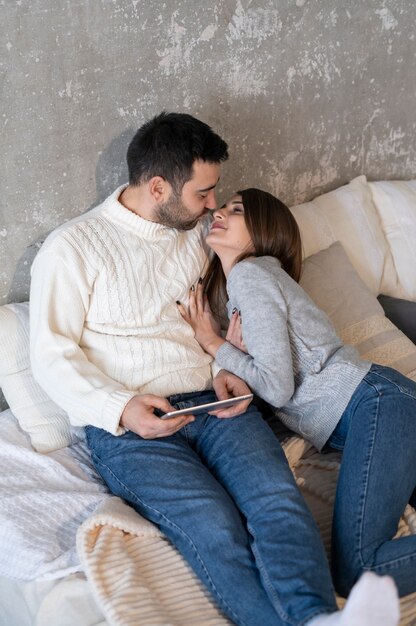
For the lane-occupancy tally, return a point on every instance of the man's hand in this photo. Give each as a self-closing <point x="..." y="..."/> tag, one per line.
<point x="138" y="417"/>
<point x="227" y="385"/>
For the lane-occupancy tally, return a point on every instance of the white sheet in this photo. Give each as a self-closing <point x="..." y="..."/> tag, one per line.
<point x="43" y="501"/>
<point x="64" y="602"/>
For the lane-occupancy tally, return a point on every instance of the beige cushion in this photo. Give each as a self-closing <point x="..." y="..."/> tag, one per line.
<point x="348" y="215"/>
<point x="334" y="285"/>
<point x="46" y="424"/>
<point x="396" y="205"/>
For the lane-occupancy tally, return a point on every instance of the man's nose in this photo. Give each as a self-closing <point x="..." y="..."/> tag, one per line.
<point x="211" y="201"/>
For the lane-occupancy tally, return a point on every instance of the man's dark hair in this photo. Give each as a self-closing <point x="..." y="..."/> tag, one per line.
<point x="167" y="146"/>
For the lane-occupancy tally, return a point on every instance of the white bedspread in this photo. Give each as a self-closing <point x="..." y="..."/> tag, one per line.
<point x="43" y="501"/>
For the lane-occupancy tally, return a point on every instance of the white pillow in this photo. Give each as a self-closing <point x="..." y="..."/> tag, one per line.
<point x="348" y="215"/>
<point x="396" y="204"/>
<point x="46" y="424"/>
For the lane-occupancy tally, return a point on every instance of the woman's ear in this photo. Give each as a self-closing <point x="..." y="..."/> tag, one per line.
<point x="159" y="189"/>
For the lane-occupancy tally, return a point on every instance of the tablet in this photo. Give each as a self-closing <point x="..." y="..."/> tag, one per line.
<point x="206" y="408"/>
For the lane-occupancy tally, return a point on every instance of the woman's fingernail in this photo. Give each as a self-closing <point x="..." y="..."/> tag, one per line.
<point x="234" y="310"/>
<point x="200" y="280"/>
<point x="193" y="288"/>
<point x="177" y="302"/>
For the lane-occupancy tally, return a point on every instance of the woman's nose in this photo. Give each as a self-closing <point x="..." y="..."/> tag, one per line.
<point x="219" y="214"/>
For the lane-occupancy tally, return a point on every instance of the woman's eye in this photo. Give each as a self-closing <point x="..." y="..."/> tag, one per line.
<point x="238" y="209"/>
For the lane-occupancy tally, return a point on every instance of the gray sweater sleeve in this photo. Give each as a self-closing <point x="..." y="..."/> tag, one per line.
<point x="267" y="368"/>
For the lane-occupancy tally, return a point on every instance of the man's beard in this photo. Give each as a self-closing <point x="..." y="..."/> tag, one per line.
<point x="172" y="213"/>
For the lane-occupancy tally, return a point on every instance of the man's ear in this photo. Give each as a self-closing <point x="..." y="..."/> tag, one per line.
<point x="159" y="188"/>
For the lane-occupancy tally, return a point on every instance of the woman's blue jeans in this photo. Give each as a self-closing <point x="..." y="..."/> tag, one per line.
<point x="377" y="479"/>
<point x="221" y="490"/>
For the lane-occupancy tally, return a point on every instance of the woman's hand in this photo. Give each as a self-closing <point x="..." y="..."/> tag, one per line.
<point x="234" y="332"/>
<point x="199" y="315"/>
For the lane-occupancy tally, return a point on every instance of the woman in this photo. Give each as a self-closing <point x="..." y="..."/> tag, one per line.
<point x="286" y="349"/>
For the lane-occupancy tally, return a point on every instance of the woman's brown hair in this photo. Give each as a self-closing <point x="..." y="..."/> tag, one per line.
<point x="273" y="231"/>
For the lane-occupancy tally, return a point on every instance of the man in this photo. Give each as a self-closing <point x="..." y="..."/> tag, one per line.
<point x="109" y="345"/>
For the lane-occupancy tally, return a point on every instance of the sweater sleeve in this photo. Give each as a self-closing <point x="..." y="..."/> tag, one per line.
<point x="60" y="287"/>
<point x="267" y="368"/>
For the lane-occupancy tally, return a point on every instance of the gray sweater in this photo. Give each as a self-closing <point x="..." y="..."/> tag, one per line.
<point x="295" y="360"/>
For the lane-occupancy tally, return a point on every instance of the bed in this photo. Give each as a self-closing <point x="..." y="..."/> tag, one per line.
<point x="70" y="552"/>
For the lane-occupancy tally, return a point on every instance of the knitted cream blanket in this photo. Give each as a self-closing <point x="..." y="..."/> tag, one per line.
<point x="138" y="578"/>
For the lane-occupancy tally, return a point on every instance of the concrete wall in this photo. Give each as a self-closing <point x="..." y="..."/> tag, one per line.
<point x="308" y="93"/>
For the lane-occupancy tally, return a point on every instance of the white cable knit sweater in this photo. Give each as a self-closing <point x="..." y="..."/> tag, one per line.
<point x="104" y="320"/>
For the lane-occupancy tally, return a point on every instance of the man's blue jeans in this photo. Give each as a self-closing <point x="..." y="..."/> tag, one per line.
<point x="377" y="433"/>
<point x="221" y="490"/>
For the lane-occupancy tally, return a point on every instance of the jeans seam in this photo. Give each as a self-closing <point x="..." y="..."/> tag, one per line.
<point x="270" y="589"/>
<point x="186" y="433"/>
<point x="403" y="559"/>
<point x="367" y="471"/>
<point x="401" y="389"/>
<point x="169" y="523"/>
<point x="275" y="598"/>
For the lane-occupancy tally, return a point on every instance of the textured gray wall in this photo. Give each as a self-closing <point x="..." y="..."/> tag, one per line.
<point x="308" y="93"/>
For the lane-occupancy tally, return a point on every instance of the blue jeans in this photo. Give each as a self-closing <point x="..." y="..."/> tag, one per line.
<point x="377" y="479"/>
<point x="221" y="490"/>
